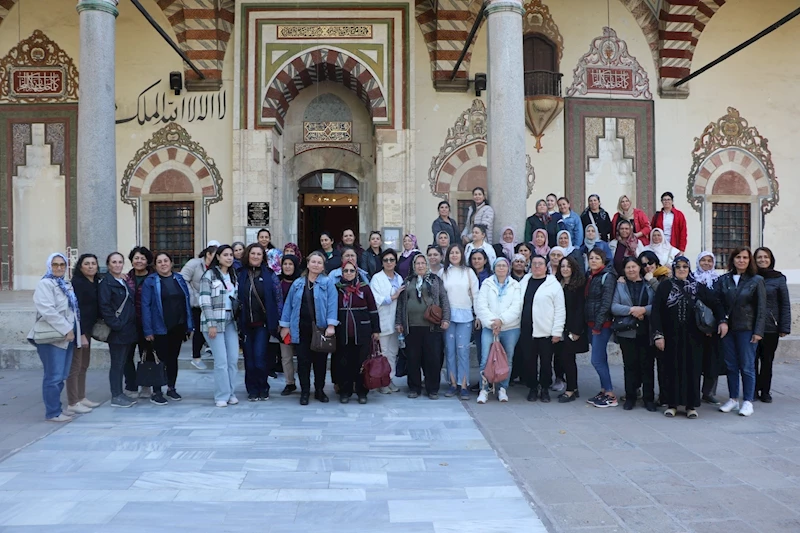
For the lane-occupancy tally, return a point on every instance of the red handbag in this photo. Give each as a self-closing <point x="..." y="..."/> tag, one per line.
<point x="497" y="368"/>
<point x="376" y="369"/>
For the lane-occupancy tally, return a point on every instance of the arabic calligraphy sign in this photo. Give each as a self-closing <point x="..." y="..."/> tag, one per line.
<point x="336" y="131"/>
<point x="154" y="106"/>
<point x="322" y="31"/>
<point x="37" y="82"/>
<point x="604" y="80"/>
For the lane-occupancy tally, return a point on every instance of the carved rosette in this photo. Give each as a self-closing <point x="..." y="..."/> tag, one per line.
<point x="608" y="68"/>
<point x="537" y="19"/>
<point x="171" y="136"/>
<point x="470" y="127"/>
<point x="41" y="56"/>
<point x="732" y="131"/>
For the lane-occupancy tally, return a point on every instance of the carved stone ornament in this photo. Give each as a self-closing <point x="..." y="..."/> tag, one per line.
<point x="38" y="71"/>
<point x="732" y="132"/>
<point x="470" y="127"/>
<point x="537" y="19"/>
<point x="172" y="142"/>
<point x="609" y="68"/>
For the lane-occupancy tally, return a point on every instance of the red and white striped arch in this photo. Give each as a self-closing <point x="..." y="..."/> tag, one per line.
<point x="468" y="161"/>
<point x="732" y="171"/>
<point x="445" y="26"/>
<point x="166" y="165"/>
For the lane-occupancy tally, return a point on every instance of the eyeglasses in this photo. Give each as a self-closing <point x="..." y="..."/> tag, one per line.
<point x="58" y="265"/>
<point x="388" y="259"/>
<point x="666" y="200"/>
<point x="348" y="271"/>
<point x="681" y="267"/>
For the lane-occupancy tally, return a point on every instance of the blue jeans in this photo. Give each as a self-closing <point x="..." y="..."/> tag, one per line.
<point x="456" y="339"/>
<point x="256" y="365"/>
<point x="600" y="358"/>
<point x="740" y="357"/>
<point x="225" y="349"/>
<point x="56" y="362"/>
<point x="508" y="339"/>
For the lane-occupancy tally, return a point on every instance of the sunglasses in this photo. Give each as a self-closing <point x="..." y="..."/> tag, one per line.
<point x="388" y="259"/>
<point x="681" y="267"/>
<point x="58" y="265"/>
<point x="645" y="263"/>
<point x="348" y="271"/>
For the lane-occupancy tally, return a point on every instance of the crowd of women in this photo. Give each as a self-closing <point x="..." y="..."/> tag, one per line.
<point x="573" y="284"/>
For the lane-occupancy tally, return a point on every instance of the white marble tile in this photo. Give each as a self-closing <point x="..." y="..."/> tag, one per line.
<point x="452" y="510"/>
<point x="6" y="476"/>
<point x="295" y="432"/>
<point x="271" y="465"/>
<point x="205" y="495"/>
<point x="355" y="480"/>
<point x="190" y="480"/>
<point x="507" y="491"/>
<point x="388" y="464"/>
<point x="528" y="525"/>
<point x="289" y="480"/>
<point x="93" y="513"/>
<point x="36" y="513"/>
<point x="321" y="495"/>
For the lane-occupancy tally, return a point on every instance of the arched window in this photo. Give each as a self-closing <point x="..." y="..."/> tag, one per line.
<point x="540" y="60"/>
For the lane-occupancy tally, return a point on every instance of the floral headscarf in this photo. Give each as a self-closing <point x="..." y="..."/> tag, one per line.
<point x="62" y="283"/>
<point x="295" y="250"/>
<point x="414" y="248"/>
<point x="349" y="288"/>
<point x="706" y="277"/>
<point x="682" y="292"/>
<point x="508" y="247"/>
<point x="544" y="251"/>
<point x="274" y="260"/>
<point x="631" y="243"/>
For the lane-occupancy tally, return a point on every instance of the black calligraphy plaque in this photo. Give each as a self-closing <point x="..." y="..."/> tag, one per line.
<point x="257" y="213"/>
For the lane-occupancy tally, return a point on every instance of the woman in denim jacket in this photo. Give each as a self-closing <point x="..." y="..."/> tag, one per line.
<point x="312" y="295"/>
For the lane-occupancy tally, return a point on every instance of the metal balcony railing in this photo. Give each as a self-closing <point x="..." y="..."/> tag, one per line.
<point x="542" y="82"/>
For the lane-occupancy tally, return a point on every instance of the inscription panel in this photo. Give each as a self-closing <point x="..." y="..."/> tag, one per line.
<point x="325" y="31"/>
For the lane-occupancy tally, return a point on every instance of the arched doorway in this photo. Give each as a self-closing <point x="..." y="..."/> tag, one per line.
<point x="327" y="201"/>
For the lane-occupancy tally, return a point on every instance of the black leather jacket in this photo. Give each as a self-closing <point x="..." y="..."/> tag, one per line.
<point x="779" y="307"/>
<point x="745" y="305"/>
<point x="370" y="263"/>
<point x="599" y="297"/>
<point x="110" y="295"/>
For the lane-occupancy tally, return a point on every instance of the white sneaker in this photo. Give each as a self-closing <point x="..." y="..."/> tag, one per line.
<point x="393" y="388"/>
<point x="132" y="394"/>
<point x="222" y="404"/>
<point x="60" y="418"/>
<point x="80" y="408"/>
<point x="146" y="392"/>
<point x="89" y="403"/>
<point x="558" y="386"/>
<point x="483" y="396"/>
<point x="502" y="396"/>
<point x="730" y="405"/>
<point x="199" y="364"/>
<point x="747" y="409"/>
<point x="385" y="390"/>
<point x="233" y="400"/>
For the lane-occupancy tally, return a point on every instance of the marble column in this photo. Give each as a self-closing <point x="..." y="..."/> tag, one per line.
<point x="506" y="115"/>
<point x="97" y="157"/>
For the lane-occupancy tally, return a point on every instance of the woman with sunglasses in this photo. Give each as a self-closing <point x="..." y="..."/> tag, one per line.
<point x="370" y="261"/>
<point x="676" y="335"/>
<point x="386" y="287"/>
<point x="359" y="325"/>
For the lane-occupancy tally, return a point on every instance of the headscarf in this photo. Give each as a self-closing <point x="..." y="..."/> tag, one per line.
<point x="518" y="257"/>
<point x="544" y="217"/>
<point x="508" y="247"/>
<point x="415" y="248"/>
<point x="502" y="286"/>
<point x="349" y="288"/>
<point x="627" y="215"/>
<point x="555" y="249"/>
<point x="294" y="259"/>
<point x="589" y="243"/>
<point x="274" y="260"/>
<point x="295" y="250"/>
<point x="770" y="271"/>
<point x="631" y="243"/>
<point x="661" y="250"/>
<point x="62" y="284"/>
<point x="683" y="293"/>
<point x="706" y="277"/>
<point x="544" y="251"/>
<point x="568" y="250"/>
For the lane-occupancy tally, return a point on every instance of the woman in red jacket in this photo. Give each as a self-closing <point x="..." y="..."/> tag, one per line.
<point x="672" y="222"/>
<point x="640" y="222"/>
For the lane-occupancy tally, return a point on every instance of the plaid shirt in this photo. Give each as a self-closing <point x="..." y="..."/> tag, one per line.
<point x="212" y="300"/>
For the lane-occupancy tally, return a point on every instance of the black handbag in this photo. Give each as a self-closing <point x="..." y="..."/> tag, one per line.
<point x="151" y="373"/>
<point x="401" y="365"/>
<point x="625" y="323"/>
<point x="704" y="318"/>
<point x="319" y="342"/>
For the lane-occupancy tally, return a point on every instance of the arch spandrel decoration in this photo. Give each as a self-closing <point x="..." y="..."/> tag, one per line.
<point x="464" y="149"/>
<point x="537" y="19"/>
<point x="168" y="152"/>
<point x="323" y="64"/>
<point x="729" y="148"/>
<point x="38" y="71"/>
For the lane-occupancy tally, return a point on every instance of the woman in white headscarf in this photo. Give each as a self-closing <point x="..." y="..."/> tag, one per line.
<point x="713" y="361"/>
<point x="55" y="333"/>
<point x="564" y="240"/>
<point x="665" y="252"/>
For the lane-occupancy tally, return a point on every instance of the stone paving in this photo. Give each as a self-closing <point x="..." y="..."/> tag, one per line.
<point x="609" y="470"/>
<point x="393" y="465"/>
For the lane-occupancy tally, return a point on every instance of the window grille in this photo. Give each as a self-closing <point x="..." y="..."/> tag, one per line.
<point x="730" y="229"/>
<point x="172" y="230"/>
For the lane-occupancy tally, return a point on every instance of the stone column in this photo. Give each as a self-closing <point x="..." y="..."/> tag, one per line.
<point x="506" y="115"/>
<point x="97" y="156"/>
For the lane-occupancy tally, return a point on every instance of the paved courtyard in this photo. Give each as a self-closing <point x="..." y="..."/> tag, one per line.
<point x="398" y="465"/>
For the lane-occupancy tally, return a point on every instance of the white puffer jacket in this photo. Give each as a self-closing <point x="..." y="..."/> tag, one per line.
<point x="549" y="310"/>
<point x="381" y="288"/>
<point x="490" y="305"/>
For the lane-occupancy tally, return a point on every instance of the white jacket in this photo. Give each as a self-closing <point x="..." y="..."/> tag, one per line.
<point x="489" y="305"/>
<point x="52" y="305"/>
<point x="486" y="247"/>
<point x="462" y="287"/>
<point x="548" y="309"/>
<point x="381" y="288"/>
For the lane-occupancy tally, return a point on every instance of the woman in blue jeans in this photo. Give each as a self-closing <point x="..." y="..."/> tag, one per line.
<point x="261" y="301"/>
<point x="499" y="308"/>
<point x="479" y="262"/>
<point x="600" y="284"/>
<point x="56" y="309"/>
<point x="744" y="298"/>
<point x="218" y="299"/>
<point x="462" y="288"/>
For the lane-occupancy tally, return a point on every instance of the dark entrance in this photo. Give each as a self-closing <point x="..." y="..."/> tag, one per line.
<point x="327" y="201"/>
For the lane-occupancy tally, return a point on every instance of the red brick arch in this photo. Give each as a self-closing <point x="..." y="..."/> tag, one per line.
<point x="322" y="64"/>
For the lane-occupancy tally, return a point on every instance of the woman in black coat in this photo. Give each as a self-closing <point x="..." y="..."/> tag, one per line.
<point x="778" y="323"/>
<point x="84" y="283"/>
<point x="445" y="223"/>
<point x="574" y="340"/>
<point x="370" y="260"/>
<point x="118" y="310"/>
